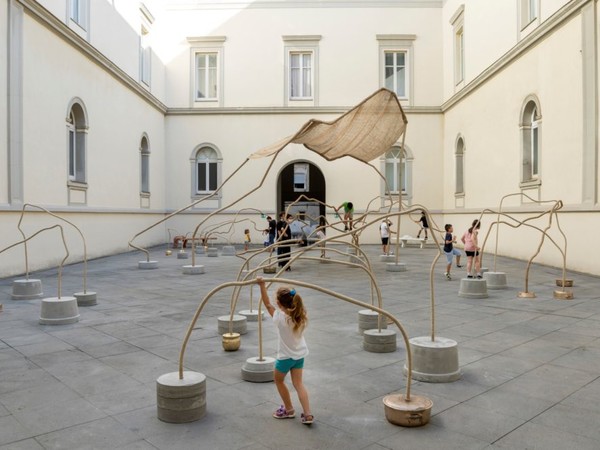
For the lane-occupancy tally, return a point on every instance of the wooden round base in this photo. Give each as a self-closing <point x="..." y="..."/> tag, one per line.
<point x="473" y="288"/>
<point x="434" y="361"/>
<point x="193" y="270"/>
<point x="526" y="295"/>
<point x="413" y="413"/>
<point x="27" y="289"/>
<point x="59" y="311"/>
<point x="168" y="252"/>
<point x="231" y="342"/>
<point x="181" y="401"/>
<point x="258" y="370"/>
<point x="270" y="269"/>
<point x="86" y="298"/>
<point x="567" y="283"/>
<point x="563" y="295"/>
<point x="148" y="265"/>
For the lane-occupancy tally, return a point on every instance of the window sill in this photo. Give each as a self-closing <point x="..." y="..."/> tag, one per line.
<point x="144" y="194"/>
<point x="459" y="195"/>
<point x="530" y="183"/>
<point x="77" y="185"/>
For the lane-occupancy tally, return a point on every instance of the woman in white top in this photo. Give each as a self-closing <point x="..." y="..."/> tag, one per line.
<point x="290" y="320"/>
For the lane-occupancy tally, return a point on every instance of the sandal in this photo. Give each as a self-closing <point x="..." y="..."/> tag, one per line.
<point x="307" y="419"/>
<point x="283" y="413"/>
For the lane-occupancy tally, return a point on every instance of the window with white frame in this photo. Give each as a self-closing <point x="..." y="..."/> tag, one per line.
<point x="530" y="141"/>
<point x="458" y="30"/>
<point x="145" y="55"/>
<point x="144" y="166"/>
<point x="395" y="64"/>
<point x="301" y="69"/>
<point x="206" y="76"/>
<point x="529" y="12"/>
<point x="395" y="171"/>
<point x="78" y="12"/>
<point x="207" y="170"/>
<point x="459" y="166"/>
<point x="395" y="72"/>
<point x="207" y="55"/>
<point x="301" y="177"/>
<point x="76" y="143"/>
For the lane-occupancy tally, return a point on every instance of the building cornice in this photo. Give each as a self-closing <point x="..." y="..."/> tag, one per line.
<point x="47" y="19"/>
<point x="281" y="110"/>
<point x="529" y="42"/>
<point x="271" y="4"/>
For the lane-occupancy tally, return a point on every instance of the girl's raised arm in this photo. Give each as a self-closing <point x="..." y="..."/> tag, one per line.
<point x="264" y="296"/>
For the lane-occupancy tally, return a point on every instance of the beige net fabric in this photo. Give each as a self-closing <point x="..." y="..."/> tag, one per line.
<point x="365" y="132"/>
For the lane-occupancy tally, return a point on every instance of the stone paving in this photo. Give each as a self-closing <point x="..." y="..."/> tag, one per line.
<point x="530" y="367"/>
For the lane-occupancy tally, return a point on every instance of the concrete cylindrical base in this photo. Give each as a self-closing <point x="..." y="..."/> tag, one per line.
<point x="86" y="298"/>
<point x="59" y="311"/>
<point x="181" y="401"/>
<point x="367" y="320"/>
<point x="351" y="250"/>
<point x="434" y="361"/>
<point x="148" y="265"/>
<point x="193" y="270"/>
<point x="563" y="295"/>
<point x="251" y="315"/>
<point x="212" y="252"/>
<point x="239" y="324"/>
<point x="484" y="270"/>
<point x="182" y="254"/>
<point x="383" y="341"/>
<point x="393" y="267"/>
<point x="413" y="413"/>
<point x="473" y="288"/>
<point x="495" y="280"/>
<point x="200" y="250"/>
<point x="387" y="258"/>
<point x="27" y="289"/>
<point x="228" y="250"/>
<point x="256" y="370"/>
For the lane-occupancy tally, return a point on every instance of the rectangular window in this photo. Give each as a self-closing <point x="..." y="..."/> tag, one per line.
<point x="207" y="177"/>
<point x="528" y="12"/>
<point x="301" y="178"/>
<point x="145" y="172"/>
<point x="77" y="12"/>
<point x="72" y="154"/>
<point x="301" y="75"/>
<point x="206" y="76"/>
<point x="534" y="150"/>
<point x="459" y="52"/>
<point x="145" y="54"/>
<point x="395" y="72"/>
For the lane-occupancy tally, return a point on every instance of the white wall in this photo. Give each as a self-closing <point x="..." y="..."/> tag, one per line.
<point x="3" y="106"/>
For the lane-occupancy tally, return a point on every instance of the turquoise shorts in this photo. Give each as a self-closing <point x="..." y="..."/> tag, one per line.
<point x="285" y="365"/>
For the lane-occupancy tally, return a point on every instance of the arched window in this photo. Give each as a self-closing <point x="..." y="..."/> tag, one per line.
<point x="144" y="166"/>
<point x="207" y="170"/>
<point x="397" y="171"/>
<point x="459" y="166"/>
<point x="531" y="121"/>
<point x="77" y="142"/>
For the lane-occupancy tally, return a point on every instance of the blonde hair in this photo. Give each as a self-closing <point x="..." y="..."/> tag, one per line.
<point x="292" y="304"/>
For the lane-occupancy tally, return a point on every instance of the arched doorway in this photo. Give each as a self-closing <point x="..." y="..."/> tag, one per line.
<point x="302" y="178"/>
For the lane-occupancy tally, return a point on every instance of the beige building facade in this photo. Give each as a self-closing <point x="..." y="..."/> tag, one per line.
<point x="115" y="113"/>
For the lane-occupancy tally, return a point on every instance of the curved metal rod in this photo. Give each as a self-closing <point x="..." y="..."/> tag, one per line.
<point x="310" y="286"/>
<point x="25" y="240"/>
<point x="164" y="219"/>
<point x="64" y="220"/>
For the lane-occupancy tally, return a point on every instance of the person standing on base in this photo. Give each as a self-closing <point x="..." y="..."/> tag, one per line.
<point x="472" y="249"/>
<point x="449" y="250"/>
<point x="290" y="320"/>
<point x="348" y="214"/>
<point x="384" y="231"/>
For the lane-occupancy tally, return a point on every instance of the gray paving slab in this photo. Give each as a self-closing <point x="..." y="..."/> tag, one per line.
<point x="530" y="366"/>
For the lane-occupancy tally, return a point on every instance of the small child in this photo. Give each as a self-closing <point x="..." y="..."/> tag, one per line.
<point x="423" y="224"/>
<point x="247" y="239"/>
<point x="290" y="321"/>
<point x="449" y="250"/>
<point x="384" y="231"/>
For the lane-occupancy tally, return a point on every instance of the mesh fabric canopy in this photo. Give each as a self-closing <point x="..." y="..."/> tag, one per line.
<point x="365" y="132"/>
